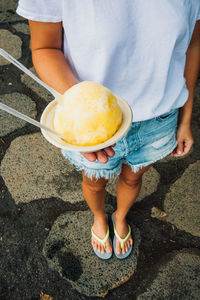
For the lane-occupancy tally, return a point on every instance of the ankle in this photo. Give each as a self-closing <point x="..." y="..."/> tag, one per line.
<point x="119" y="217"/>
<point x="100" y="216"/>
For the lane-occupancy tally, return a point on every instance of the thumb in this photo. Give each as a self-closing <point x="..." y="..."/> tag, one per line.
<point x="179" y="149"/>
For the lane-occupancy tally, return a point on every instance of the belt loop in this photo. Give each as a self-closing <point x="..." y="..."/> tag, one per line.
<point x="125" y="145"/>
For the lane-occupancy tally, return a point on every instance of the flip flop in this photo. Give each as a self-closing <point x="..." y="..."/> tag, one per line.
<point x="122" y="241"/>
<point x="104" y="255"/>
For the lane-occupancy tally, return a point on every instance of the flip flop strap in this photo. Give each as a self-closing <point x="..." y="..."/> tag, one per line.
<point x="122" y="241"/>
<point x="102" y="241"/>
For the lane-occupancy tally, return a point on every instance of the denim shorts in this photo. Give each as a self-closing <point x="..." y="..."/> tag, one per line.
<point x="145" y="143"/>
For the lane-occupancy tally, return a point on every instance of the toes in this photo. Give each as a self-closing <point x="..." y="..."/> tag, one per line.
<point x="94" y="244"/>
<point x="124" y="249"/>
<point x="102" y="249"/>
<point x="118" y="248"/>
<point x="108" y="247"/>
<point x="98" y="248"/>
<point x="126" y="246"/>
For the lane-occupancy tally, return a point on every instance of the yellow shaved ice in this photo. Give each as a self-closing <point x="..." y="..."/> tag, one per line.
<point x="90" y="114"/>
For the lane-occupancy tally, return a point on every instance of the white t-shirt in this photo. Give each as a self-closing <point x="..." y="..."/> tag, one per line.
<point x="135" y="48"/>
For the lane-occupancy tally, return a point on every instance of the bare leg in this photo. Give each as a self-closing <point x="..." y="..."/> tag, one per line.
<point x="94" y="194"/>
<point x="128" y="188"/>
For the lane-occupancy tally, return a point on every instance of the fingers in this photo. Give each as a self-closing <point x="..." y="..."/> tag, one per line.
<point x="104" y="154"/>
<point x="185" y="140"/>
<point x="182" y="149"/>
<point x="187" y="147"/>
<point x="109" y="151"/>
<point x="178" y="150"/>
<point x="101" y="155"/>
<point x="91" y="156"/>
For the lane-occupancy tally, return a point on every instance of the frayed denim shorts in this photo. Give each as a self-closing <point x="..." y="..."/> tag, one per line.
<point x="145" y="143"/>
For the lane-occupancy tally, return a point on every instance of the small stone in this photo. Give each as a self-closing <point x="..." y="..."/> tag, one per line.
<point x="158" y="213"/>
<point x="45" y="296"/>
<point x="68" y="250"/>
<point x="20" y="102"/>
<point x="2" y="141"/>
<point x="10" y="43"/>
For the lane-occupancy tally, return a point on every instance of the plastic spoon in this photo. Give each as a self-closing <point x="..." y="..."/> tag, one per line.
<point x="18" y="114"/>
<point x="10" y="58"/>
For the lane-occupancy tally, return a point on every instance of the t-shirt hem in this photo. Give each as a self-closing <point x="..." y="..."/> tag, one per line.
<point x="40" y="18"/>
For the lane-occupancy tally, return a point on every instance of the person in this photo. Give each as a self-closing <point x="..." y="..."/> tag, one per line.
<point x="148" y="53"/>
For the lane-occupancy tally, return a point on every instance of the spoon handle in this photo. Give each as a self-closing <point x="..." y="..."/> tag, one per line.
<point x="28" y="119"/>
<point x="15" y="62"/>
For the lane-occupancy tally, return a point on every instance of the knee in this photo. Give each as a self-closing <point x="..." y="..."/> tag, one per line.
<point x="94" y="185"/>
<point x="131" y="182"/>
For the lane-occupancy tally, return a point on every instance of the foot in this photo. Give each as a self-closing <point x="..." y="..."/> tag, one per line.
<point x="122" y="229"/>
<point x="100" y="230"/>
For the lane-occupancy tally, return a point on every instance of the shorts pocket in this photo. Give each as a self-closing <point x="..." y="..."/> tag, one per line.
<point x="163" y="141"/>
<point x="167" y="115"/>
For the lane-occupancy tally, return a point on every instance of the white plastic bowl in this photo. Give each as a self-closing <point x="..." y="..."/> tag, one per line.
<point x="48" y="117"/>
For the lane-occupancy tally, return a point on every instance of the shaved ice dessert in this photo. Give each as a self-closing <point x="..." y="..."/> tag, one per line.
<point x="90" y="114"/>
